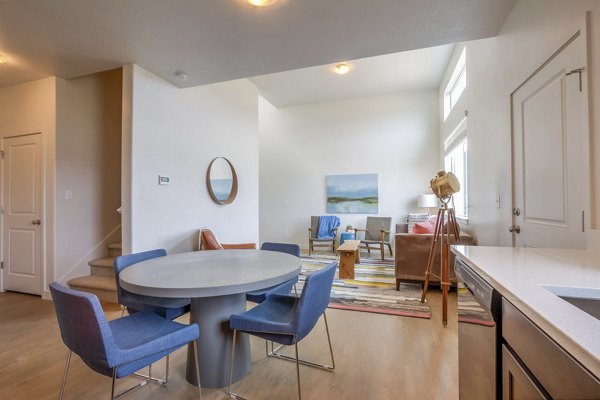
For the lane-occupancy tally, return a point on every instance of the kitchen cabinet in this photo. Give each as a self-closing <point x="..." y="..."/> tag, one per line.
<point x="517" y="383"/>
<point x="537" y="366"/>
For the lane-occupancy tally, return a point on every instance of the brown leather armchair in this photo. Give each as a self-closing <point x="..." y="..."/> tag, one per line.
<point x="207" y="240"/>
<point x="412" y="253"/>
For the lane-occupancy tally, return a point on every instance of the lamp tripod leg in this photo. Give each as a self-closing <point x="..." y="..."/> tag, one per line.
<point x="436" y="236"/>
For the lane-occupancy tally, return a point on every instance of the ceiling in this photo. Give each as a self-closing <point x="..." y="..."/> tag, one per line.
<point x="392" y="73"/>
<point x="218" y="40"/>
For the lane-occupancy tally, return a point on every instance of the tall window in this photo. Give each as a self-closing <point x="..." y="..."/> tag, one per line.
<point x="457" y="84"/>
<point x="455" y="160"/>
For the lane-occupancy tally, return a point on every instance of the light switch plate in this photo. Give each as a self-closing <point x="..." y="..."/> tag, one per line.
<point x="164" y="180"/>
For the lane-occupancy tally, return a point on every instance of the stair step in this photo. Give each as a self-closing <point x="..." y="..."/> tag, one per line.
<point x="104" y="287"/>
<point x="103" y="266"/>
<point x="114" y="249"/>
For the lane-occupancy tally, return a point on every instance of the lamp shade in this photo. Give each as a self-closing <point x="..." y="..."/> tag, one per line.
<point x="427" y="201"/>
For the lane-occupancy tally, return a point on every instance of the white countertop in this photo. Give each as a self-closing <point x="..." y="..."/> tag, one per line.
<point x="521" y="275"/>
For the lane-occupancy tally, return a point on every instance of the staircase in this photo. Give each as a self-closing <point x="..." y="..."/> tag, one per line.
<point x="101" y="280"/>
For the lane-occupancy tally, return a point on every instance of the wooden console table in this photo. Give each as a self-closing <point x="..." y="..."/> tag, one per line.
<point x="349" y="254"/>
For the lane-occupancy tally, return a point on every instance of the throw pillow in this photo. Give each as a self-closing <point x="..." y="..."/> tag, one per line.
<point x="423" y="228"/>
<point x="428" y="227"/>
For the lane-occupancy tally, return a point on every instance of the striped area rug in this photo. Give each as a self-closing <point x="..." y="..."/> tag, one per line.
<point x="372" y="290"/>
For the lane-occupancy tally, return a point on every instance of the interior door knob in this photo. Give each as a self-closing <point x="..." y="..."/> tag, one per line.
<point x="36" y="222"/>
<point x="514" y="229"/>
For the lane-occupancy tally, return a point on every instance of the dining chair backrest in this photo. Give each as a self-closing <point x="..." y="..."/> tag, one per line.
<point x="314" y="299"/>
<point x="375" y="225"/>
<point x="288" y="248"/>
<point x="83" y="327"/>
<point x="128" y="260"/>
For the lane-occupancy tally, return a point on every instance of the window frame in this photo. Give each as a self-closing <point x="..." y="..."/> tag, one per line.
<point x="460" y="72"/>
<point x="459" y="138"/>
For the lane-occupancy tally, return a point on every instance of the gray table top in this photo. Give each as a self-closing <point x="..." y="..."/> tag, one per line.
<point x="210" y="273"/>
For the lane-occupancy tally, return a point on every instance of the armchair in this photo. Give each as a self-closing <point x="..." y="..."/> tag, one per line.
<point x="313" y="235"/>
<point x="207" y="240"/>
<point x="377" y="233"/>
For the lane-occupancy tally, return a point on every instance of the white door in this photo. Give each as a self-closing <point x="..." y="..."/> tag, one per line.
<point x="22" y="218"/>
<point x="551" y="153"/>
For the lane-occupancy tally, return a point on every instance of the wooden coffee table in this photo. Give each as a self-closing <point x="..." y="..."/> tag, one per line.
<point x="349" y="255"/>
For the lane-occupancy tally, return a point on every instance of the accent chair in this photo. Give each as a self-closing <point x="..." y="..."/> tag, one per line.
<point x="166" y="308"/>
<point x="377" y="233"/>
<point x="313" y="239"/>
<point x="287" y="320"/>
<point x="119" y="347"/>
<point x="207" y="240"/>
<point x="258" y="296"/>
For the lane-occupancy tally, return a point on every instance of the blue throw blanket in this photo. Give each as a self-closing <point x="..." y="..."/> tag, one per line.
<point x="327" y="224"/>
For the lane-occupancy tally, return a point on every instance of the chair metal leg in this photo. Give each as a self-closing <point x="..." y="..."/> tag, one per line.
<point x="231" y="364"/>
<point x="167" y="370"/>
<point x="275" y="354"/>
<point x="112" y="390"/>
<point x="64" y="380"/>
<point x="298" y="370"/>
<point x="329" y="341"/>
<point x="197" y="368"/>
<point x="152" y="379"/>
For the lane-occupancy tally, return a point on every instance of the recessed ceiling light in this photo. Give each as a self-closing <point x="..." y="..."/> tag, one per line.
<point x="2" y="59"/>
<point x="261" y="3"/>
<point x="342" y="69"/>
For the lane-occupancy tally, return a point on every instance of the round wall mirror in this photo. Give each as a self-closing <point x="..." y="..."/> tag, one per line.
<point x="221" y="181"/>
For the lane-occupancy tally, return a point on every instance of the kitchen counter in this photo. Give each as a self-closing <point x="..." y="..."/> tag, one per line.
<point x="522" y="276"/>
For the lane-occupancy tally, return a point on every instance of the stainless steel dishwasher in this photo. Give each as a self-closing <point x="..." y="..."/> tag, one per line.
<point x="479" y="336"/>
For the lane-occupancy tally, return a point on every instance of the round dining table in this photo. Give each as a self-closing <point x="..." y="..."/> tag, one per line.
<point x="217" y="283"/>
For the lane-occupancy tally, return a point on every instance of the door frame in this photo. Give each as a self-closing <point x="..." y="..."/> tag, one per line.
<point x="43" y="188"/>
<point x="581" y="30"/>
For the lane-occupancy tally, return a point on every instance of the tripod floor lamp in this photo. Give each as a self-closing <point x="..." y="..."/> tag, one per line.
<point x="444" y="185"/>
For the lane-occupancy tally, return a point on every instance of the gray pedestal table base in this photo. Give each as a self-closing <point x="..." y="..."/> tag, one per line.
<point x="214" y="347"/>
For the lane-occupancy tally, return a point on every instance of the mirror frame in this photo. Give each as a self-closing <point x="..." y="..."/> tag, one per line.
<point x="234" y="184"/>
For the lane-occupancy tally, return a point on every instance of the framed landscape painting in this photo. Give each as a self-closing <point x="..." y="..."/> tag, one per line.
<point x="352" y="194"/>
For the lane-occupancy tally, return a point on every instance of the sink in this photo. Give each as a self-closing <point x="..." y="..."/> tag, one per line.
<point x="586" y="299"/>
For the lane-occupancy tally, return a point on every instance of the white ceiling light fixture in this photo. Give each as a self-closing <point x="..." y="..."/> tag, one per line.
<point x="182" y="76"/>
<point x="260" y="3"/>
<point x="342" y="69"/>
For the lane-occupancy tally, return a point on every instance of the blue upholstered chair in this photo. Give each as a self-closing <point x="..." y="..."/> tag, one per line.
<point x="119" y="347"/>
<point x="135" y="303"/>
<point x="288" y="319"/>
<point x="258" y="296"/>
<point x="167" y="308"/>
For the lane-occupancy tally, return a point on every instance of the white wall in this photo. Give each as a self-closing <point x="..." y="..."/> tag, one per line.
<point x="31" y="108"/>
<point x="534" y="30"/>
<point x="88" y="165"/>
<point x="177" y="132"/>
<point x="394" y="136"/>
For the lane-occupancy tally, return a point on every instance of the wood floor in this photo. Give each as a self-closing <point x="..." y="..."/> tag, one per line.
<point x="378" y="357"/>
